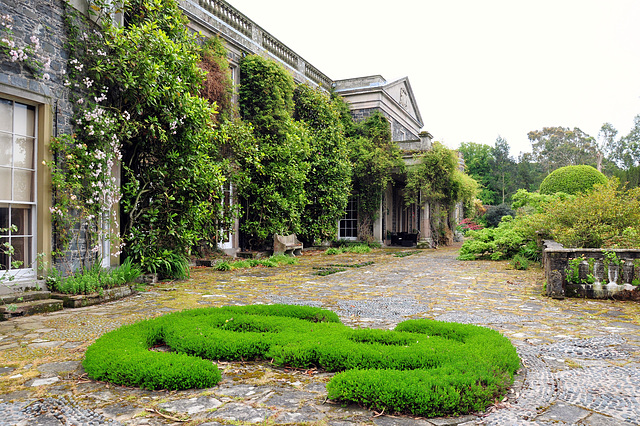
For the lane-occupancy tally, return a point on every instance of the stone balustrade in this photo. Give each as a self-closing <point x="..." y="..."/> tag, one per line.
<point x="591" y="273"/>
<point x="257" y="39"/>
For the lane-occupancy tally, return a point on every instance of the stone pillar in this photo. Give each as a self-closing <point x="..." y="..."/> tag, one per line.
<point x="377" y="225"/>
<point x="426" y="240"/>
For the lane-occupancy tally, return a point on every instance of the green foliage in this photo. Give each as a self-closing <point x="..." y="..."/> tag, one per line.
<point x="437" y="178"/>
<point x="146" y="78"/>
<point x="329" y="177"/>
<point x="608" y="216"/>
<point x="93" y="279"/>
<point x="275" y="172"/>
<point x="555" y="147"/>
<point x="535" y="202"/>
<point x="374" y="157"/>
<point x="520" y="262"/>
<point x="351" y="248"/>
<point x="272" y="262"/>
<point x="424" y="367"/>
<point x="509" y="238"/>
<point x="495" y="214"/>
<point x="572" y="180"/>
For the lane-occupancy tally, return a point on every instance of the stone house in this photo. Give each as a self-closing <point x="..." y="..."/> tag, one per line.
<point x="35" y="107"/>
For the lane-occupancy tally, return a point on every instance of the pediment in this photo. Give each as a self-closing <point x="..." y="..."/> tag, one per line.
<point x="401" y="92"/>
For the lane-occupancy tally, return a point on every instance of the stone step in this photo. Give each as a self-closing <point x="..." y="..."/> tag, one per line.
<point x="33" y="307"/>
<point x="26" y="296"/>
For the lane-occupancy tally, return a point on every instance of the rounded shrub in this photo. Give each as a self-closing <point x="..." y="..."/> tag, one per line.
<point x="423" y="367"/>
<point x="495" y="214"/>
<point x="572" y="180"/>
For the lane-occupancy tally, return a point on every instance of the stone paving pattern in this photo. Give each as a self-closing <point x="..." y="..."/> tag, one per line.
<point x="581" y="358"/>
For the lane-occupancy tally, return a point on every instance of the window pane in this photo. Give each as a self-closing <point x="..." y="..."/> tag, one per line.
<point x="4" y="219"/>
<point x="22" y="185"/>
<point x="22" y="251"/>
<point x="21" y="217"/>
<point x="6" y="115"/>
<point x="4" y="258"/>
<point x="23" y="153"/>
<point x="5" y="149"/>
<point x="5" y="183"/>
<point x="25" y="120"/>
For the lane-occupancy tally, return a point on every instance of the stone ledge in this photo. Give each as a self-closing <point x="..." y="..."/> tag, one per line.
<point x="33" y="307"/>
<point x="81" y="300"/>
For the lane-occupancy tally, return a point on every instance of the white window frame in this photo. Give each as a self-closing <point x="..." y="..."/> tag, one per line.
<point x="27" y="271"/>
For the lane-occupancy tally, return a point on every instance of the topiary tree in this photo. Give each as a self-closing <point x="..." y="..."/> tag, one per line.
<point x="572" y="180"/>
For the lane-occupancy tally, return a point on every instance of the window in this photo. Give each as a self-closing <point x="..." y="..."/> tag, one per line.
<point x="349" y="223"/>
<point x="18" y="146"/>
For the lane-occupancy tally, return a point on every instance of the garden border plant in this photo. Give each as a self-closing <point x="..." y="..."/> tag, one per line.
<point x="423" y="367"/>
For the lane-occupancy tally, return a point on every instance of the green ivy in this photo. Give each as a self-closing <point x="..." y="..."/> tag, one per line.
<point x="329" y="177"/>
<point x="275" y="170"/>
<point x="375" y="157"/>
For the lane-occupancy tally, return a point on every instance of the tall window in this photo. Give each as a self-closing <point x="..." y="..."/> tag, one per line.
<point x="17" y="185"/>
<point x="349" y="223"/>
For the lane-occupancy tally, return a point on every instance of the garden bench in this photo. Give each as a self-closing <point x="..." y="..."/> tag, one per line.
<point x="283" y="244"/>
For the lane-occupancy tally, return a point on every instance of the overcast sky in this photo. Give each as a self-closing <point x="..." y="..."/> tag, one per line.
<point x="478" y="69"/>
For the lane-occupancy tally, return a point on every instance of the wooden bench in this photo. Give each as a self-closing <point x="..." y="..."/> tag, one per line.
<point x="287" y="244"/>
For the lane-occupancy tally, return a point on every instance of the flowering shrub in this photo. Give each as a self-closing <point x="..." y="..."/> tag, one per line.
<point x="467" y="225"/>
<point x="138" y="109"/>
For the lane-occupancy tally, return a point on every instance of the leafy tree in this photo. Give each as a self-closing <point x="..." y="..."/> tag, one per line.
<point x="477" y="159"/>
<point x="630" y="146"/>
<point x="273" y="188"/>
<point x="502" y="169"/>
<point x="329" y="178"/>
<point x="555" y="147"/>
<point x="529" y="174"/>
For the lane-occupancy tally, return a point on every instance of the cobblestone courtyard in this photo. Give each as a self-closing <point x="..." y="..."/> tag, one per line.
<point x="581" y="357"/>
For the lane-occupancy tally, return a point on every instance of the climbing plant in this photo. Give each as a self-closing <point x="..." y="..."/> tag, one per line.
<point x="144" y="79"/>
<point x="374" y="158"/>
<point x="437" y="179"/>
<point x="275" y="172"/>
<point x="329" y="177"/>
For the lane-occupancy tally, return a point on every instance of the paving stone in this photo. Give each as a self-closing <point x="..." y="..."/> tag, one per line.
<point x="562" y="412"/>
<point x="44" y="382"/>
<point x="192" y="405"/>
<point x="400" y="421"/>
<point x="242" y="413"/>
<point x="451" y="421"/>
<point x="596" y="419"/>
<point x="58" y="367"/>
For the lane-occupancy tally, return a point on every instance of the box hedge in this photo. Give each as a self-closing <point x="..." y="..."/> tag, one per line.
<point x="423" y="367"/>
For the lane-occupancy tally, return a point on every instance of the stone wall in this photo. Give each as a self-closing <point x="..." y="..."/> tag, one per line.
<point x="43" y="19"/>
<point x="398" y="131"/>
<point x="597" y="278"/>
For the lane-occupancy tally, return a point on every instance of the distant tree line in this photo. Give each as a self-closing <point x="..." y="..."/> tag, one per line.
<point x="500" y="175"/>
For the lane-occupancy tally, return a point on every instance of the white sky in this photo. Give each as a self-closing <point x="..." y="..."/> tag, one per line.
<point x="478" y="68"/>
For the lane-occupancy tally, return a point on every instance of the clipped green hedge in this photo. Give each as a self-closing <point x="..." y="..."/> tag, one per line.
<point x="572" y="180"/>
<point x="423" y="367"/>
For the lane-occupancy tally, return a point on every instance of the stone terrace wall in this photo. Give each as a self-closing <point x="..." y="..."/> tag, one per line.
<point x="609" y="280"/>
